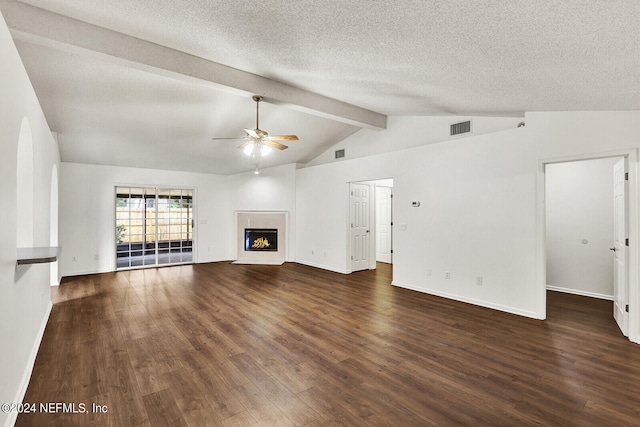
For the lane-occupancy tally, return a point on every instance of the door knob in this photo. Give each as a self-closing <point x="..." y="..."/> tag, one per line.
<point x="612" y="249"/>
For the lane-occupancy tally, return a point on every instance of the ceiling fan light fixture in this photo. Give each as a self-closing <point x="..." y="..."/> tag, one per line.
<point x="248" y="150"/>
<point x="258" y="143"/>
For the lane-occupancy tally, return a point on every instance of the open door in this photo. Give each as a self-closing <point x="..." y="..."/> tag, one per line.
<point x="620" y="247"/>
<point x="383" y="224"/>
<point x="359" y="201"/>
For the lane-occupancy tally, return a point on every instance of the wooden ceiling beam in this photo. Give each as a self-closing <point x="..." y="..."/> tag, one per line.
<point x="39" y="26"/>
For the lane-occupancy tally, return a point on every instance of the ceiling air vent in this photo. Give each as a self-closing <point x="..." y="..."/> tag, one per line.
<point x="339" y="154"/>
<point x="462" y="127"/>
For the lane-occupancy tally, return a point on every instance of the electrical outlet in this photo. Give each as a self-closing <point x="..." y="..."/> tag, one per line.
<point x="429" y="272"/>
<point x="479" y="281"/>
<point x="447" y="275"/>
<point x="96" y="257"/>
<point x="73" y="259"/>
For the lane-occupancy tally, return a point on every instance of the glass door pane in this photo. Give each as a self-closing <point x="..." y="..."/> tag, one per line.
<point x="123" y="225"/>
<point x="175" y="222"/>
<point x="150" y="225"/>
<point x="164" y="250"/>
<point x="131" y="234"/>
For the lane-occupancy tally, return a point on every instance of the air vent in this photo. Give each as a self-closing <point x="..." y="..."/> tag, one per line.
<point x="462" y="127"/>
<point x="339" y="154"/>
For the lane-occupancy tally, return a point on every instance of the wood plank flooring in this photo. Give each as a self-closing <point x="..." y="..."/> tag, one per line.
<point x="245" y="345"/>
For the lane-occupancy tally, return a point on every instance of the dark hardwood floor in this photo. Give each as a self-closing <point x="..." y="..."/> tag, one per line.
<point x="245" y="345"/>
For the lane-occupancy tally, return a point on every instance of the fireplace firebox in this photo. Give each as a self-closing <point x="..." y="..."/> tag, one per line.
<point x="261" y="239"/>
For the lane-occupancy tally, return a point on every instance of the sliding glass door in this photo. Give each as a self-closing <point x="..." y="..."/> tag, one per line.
<point x="154" y="226"/>
<point x="174" y="215"/>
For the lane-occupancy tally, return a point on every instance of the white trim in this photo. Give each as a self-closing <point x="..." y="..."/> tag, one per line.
<point x="322" y="267"/>
<point x="633" y="232"/>
<point x="473" y="301"/>
<point x="541" y="244"/>
<point x="85" y="273"/>
<point x="588" y="156"/>
<point x="57" y="282"/>
<point x="579" y="292"/>
<point x="634" y="245"/>
<point x="26" y="376"/>
<point x="89" y="272"/>
<point x="211" y="260"/>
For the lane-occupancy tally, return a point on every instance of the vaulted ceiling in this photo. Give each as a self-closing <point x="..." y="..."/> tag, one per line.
<point x="149" y="83"/>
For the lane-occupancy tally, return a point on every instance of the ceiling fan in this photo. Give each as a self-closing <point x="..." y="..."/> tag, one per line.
<point x="258" y="143"/>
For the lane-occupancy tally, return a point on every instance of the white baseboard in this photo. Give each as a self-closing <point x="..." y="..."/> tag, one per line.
<point x="258" y="262"/>
<point x="214" y="259"/>
<point x="579" y="292"/>
<point x="83" y="273"/>
<point x="26" y="376"/>
<point x="100" y="271"/>
<point x="481" y="303"/>
<point x="322" y="267"/>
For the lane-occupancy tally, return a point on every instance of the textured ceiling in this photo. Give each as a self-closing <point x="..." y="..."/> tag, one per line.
<point x="458" y="57"/>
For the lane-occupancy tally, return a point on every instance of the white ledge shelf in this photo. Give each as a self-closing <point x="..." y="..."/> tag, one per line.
<point x="38" y="255"/>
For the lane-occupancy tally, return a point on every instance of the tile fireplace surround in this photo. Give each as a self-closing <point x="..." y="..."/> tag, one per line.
<point x="261" y="219"/>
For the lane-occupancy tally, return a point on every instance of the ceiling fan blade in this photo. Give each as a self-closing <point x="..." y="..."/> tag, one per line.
<point x="275" y="144"/>
<point x="258" y="137"/>
<point x="244" y="144"/>
<point x="283" y="138"/>
<point x="252" y="133"/>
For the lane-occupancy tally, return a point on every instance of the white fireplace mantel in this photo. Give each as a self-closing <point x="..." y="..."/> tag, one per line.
<point x="262" y="219"/>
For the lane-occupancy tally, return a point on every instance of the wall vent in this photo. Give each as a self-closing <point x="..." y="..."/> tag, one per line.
<point x="339" y="154"/>
<point x="462" y="127"/>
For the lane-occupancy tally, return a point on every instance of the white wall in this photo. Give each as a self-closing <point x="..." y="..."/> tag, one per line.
<point x="272" y="190"/>
<point x="25" y="301"/>
<point x="87" y="209"/>
<point x="87" y="213"/>
<point x="411" y="131"/>
<point x="478" y="213"/>
<point x="579" y="227"/>
<point x="471" y="207"/>
<point x="322" y="208"/>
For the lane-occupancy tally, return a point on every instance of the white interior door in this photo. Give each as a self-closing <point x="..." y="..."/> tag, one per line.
<point x="620" y="277"/>
<point x="360" y="199"/>
<point x="383" y="224"/>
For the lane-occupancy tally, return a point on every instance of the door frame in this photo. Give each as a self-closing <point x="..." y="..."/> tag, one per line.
<point x="374" y="223"/>
<point x="372" y="212"/>
<point x="371" y="208"/>
<point x="194" y="212"/>
<point x="632" y="213"/>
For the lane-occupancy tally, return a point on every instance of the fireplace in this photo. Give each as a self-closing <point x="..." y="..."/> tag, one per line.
<point x="261" y="239"/>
